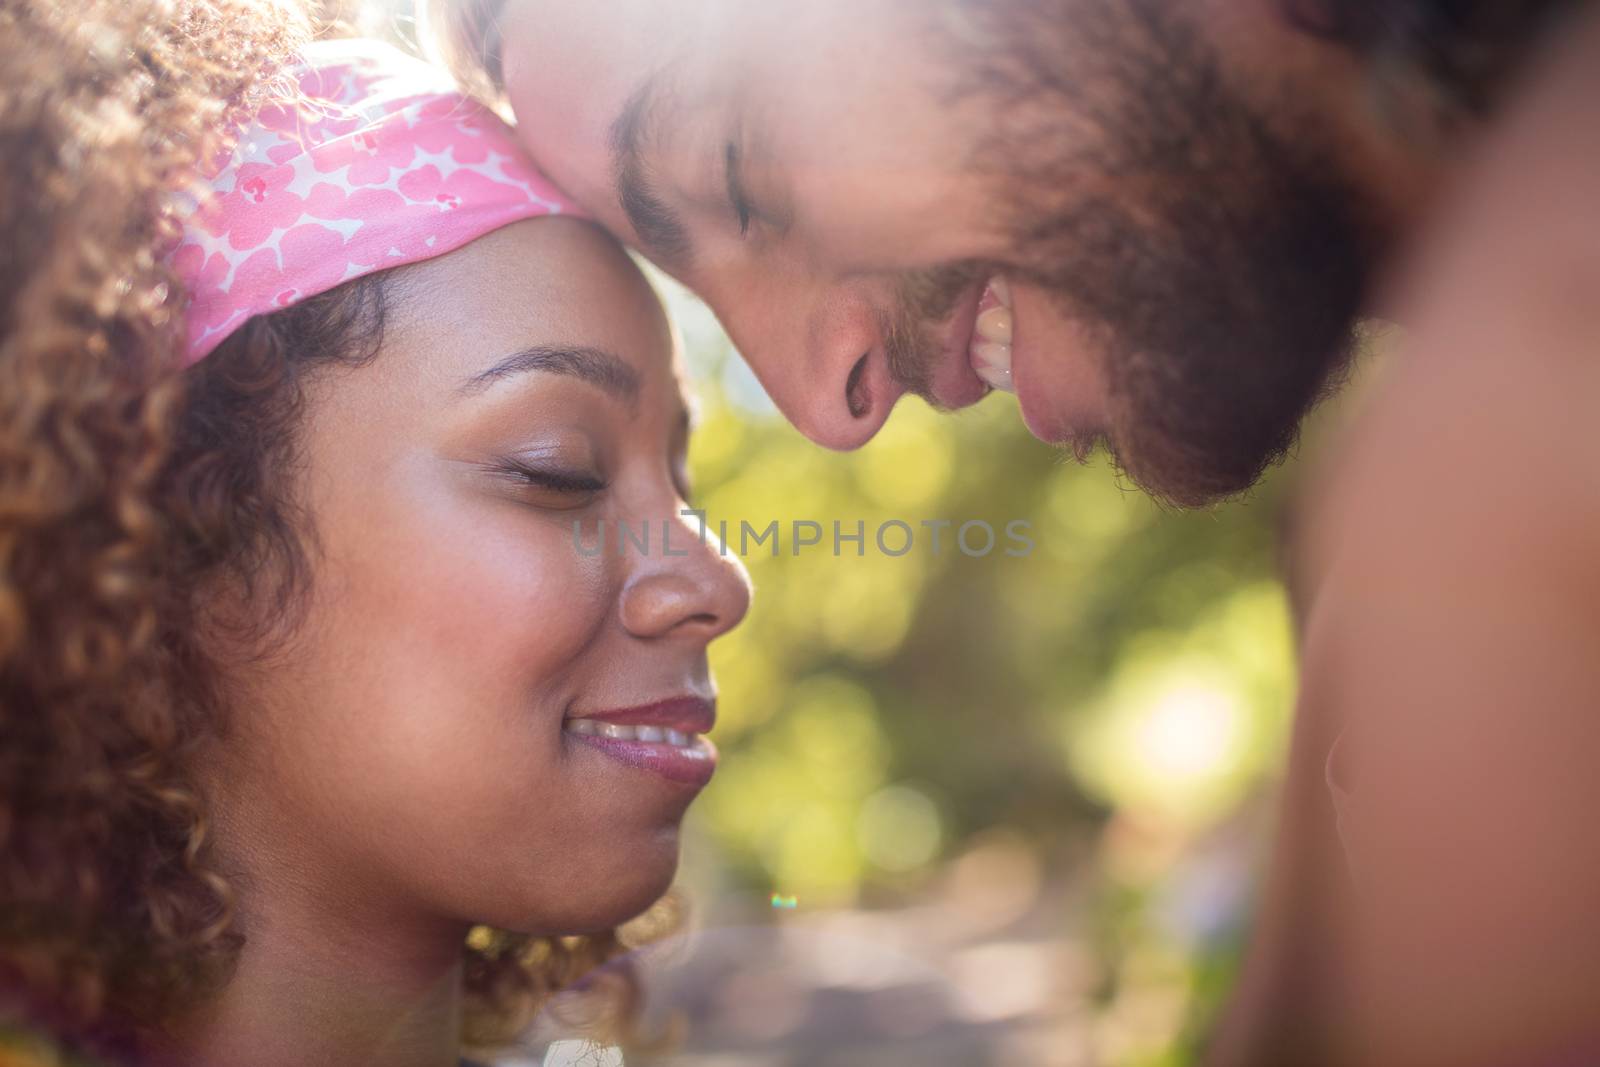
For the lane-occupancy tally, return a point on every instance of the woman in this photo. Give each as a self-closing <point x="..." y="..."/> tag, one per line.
<point x="323" y="742"/>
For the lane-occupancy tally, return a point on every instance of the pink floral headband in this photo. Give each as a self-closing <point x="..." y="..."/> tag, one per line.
<point x="379" y="161"/>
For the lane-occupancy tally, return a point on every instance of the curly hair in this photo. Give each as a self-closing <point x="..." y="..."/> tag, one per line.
<point x="109" y="914"/>
<point x="127" y="490"/>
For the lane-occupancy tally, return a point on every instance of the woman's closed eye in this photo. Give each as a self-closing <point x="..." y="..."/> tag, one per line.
<point x="552" y="486"/>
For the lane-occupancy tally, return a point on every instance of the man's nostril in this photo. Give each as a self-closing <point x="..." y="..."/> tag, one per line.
<point x="856" y="397"/>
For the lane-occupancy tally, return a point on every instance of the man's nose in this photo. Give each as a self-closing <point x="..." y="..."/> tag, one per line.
<point x="827" y="370"/>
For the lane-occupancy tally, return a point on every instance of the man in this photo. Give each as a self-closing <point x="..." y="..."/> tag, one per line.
<point x="1187" y="203"/>
<point x="1158" y="223"/>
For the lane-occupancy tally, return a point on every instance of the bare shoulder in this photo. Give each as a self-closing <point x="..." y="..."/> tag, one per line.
<point x="1453" y="548"/>
<point x="1485" y="427"/>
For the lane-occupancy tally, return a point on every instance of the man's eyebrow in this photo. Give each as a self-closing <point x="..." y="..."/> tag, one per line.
<point x="596" y="366"/>
<point x="661" y="231"/>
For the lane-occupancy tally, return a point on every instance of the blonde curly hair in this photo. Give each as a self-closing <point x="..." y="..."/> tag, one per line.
<point x="126" y="489"/>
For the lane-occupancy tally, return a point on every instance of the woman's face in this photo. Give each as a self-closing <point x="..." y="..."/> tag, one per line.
<point x="417" y="752"/>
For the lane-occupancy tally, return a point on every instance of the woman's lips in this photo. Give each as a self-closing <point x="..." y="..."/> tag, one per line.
<point x="665" y="738"/>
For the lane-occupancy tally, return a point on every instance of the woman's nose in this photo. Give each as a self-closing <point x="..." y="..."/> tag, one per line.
<point x="684" y="586"/>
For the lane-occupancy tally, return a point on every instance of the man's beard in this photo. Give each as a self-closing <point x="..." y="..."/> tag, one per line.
<point x="1219" y="263"/>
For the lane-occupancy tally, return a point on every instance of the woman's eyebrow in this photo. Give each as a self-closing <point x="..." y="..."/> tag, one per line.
<point x="607" y="370"/>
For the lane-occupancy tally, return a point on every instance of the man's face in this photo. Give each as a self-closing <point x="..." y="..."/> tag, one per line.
<point x="850" y="184"/>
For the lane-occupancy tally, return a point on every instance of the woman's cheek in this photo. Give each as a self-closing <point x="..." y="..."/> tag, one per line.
<point x="527" y="601"/>
<point x="471" y="661"/>
<point x="447" y="642"/>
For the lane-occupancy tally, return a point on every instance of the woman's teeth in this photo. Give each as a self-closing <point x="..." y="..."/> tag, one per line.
<point x="660" y="735"/>
<point x="991" y="340"/>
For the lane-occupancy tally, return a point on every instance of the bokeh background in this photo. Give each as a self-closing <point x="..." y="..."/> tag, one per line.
<point x="970" y="810"/>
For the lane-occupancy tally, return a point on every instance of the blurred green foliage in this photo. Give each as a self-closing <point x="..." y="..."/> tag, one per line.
<point x="1138" y="658"/>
